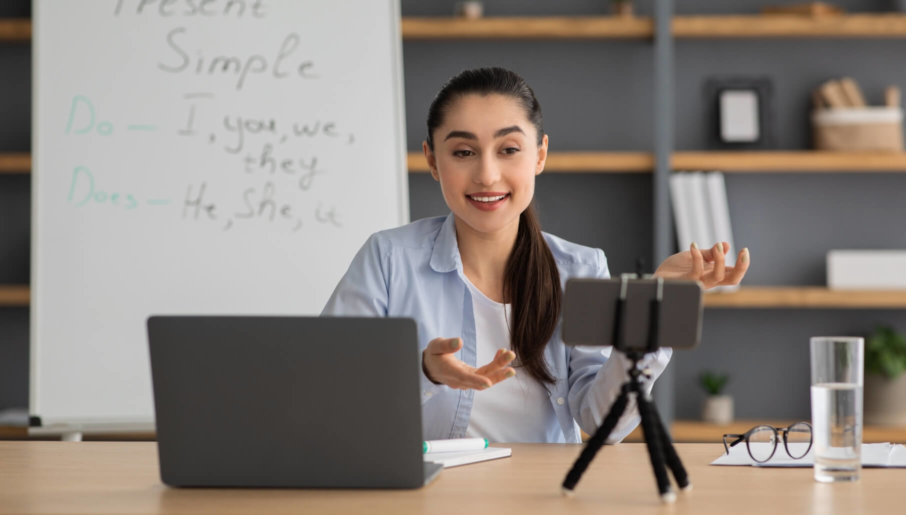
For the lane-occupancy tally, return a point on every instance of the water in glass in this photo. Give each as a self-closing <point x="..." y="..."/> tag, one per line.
<point x="837" y="431"/>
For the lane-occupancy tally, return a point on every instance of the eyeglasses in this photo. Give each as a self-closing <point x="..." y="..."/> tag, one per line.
<point x="761" y="441"/>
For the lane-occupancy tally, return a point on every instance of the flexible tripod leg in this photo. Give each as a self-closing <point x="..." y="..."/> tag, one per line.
<point x="596" y="441"/>
<point x="673" y="459"/>
<point x="651" y="431"/>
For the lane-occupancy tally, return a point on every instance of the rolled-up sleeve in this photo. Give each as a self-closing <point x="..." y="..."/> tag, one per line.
<point x="594" y="387"/>
<point x="596" y="376"/>
<point x="365" y="291"/>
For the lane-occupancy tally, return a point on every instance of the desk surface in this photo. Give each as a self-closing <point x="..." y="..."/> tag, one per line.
<point x="122" y="477"/>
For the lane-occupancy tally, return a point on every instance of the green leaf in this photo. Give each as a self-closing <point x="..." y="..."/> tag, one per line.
<point x="713" y="382"/>
<point x="885" y="352"/>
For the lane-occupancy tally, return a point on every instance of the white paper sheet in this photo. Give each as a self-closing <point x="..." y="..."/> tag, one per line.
<point x="873" y="455"/>
<point x="455" y="459"/>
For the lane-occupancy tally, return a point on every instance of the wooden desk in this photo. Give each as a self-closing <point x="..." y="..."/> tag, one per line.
<point x="122" y="477"/>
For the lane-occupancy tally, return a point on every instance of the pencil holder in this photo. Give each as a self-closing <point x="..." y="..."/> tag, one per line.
<point x="858" y="129"/>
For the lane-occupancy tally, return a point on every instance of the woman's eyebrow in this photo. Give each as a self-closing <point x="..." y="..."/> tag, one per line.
<point x="460" y="134"/>
<point x="508" y="130"/>
<point x="469" y="135"/>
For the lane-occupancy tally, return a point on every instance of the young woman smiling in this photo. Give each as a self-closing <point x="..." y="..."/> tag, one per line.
<point x="484" y="284"/>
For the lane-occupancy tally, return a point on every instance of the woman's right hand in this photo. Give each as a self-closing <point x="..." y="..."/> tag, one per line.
<point x="442" y="367"/>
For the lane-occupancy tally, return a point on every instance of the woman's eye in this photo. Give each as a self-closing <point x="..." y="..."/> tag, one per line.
<point x="463" y="153"/>
<point x="510" y="150"/>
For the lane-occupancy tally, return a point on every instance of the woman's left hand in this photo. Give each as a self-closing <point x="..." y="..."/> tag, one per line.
<point x="706" y="266"/>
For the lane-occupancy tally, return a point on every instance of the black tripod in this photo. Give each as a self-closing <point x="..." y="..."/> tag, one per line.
<point x="660" y="447"/>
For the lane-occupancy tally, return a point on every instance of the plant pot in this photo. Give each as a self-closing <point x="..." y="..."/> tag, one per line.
<point x="718" y="409"/>
<point x="885" y="400"/>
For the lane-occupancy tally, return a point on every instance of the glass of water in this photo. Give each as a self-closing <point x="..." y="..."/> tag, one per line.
<point x="837" y="364"/>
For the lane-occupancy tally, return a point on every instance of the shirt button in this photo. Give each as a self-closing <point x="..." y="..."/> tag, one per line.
<point x="560" y="401"/>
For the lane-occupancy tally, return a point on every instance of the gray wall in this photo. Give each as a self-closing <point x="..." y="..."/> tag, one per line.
<point x="597" y="95"/>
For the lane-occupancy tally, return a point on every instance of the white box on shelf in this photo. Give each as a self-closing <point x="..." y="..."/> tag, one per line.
<point x="866" y="269"/>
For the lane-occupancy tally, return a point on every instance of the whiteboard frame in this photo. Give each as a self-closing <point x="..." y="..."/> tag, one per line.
<point x="72" y="429"/>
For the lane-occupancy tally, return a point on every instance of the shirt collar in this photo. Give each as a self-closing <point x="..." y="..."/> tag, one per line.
<point x="445" y="256"/>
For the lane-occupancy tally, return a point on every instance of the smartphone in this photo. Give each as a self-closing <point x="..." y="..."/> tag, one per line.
<point x="590" y="312"/>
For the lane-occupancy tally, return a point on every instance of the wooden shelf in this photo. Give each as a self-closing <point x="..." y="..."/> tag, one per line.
<point x="890" y="25"/>
<point x="746" y="297"/>
<point x="15" y="163"/>
<point x="791" y="161"/>
<point x="15" y="29"/>
<point x="643" y="162"/>
<point x="806" y="297"/>
<point x="606" y="162"/>
<point x="16" y="295"/>
<point x="564" y="27"/>
<point x="617" y="27"/>
<point x="693" y="431"/>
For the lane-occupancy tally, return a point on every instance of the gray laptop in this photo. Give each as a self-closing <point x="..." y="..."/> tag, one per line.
<point x="246" y="401"/>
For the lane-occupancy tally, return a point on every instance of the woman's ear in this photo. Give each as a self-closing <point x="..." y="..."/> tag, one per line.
<point x="432" y="161"/>
<point x="542" y="156"/>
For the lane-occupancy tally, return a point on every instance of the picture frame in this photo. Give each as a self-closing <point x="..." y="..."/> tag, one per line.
<point x="739" y="112"/>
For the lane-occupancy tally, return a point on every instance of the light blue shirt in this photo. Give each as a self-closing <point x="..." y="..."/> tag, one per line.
<point x="415" y="271"/>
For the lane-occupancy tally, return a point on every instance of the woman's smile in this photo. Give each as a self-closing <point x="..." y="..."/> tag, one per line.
<point x="487" y="201"/>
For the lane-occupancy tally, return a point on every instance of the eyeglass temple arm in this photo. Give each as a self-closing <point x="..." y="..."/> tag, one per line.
<point x="739" y="438"/>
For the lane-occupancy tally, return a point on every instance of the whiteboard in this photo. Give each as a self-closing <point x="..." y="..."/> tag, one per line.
<point x="198" y="157"/>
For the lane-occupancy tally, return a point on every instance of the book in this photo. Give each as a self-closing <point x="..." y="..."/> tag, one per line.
<point x="681" y="214"/>
<point x="696" y="197"/>
<point x="719" y="217"/>
<point x="719" y="212"/>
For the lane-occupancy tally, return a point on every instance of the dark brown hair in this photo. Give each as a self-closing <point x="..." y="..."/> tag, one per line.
<point x="531" y="281"/>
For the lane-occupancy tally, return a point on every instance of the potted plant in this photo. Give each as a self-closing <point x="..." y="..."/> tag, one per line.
<point x="885" y="382"/>
<point x="718" y="407"/>
<point x="621" y="7"/>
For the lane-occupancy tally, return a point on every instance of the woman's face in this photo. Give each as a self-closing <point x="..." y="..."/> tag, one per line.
<point x="486" y="157"/>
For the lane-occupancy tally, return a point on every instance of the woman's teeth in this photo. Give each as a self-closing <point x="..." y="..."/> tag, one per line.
<point x="487" y="199"/>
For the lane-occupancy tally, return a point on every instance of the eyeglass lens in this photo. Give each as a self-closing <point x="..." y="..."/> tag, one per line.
<point x="762" y="443"/>
<point x="798" y="440"/>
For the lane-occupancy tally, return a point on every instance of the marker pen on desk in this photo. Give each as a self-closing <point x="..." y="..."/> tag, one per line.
<point x="456" y="444"/>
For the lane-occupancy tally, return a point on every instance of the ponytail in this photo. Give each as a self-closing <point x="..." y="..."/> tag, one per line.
<point x="531" y="285"/>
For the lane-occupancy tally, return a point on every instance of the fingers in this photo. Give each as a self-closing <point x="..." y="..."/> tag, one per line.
<point x="443" y="367"/>
<point x="440" y="346"/>
<point x="456" y="374"/>
<point x="503" y="358"/>
<point x="498" y="370"/>
<point x="500" y="375"/>
<point x="736" y="273"/>
<point x="709" y="254"/>
<point x="718" y="271"/>
<point x="465" y="378"/>
<point x="698" y="264"/>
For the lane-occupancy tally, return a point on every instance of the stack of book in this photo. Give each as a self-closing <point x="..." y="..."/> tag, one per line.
<point x="701" y="211"/>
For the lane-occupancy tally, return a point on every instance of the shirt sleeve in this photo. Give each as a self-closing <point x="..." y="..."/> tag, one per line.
<point x="363" y="290"/>
<point x="594" y="387"/>
<point x="596" y="376"/>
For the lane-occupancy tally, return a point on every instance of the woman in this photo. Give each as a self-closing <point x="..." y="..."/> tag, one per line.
<point x="484" y="284"/>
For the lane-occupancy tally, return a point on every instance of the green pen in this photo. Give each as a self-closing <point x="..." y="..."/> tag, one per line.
<point x="454" y="445"/>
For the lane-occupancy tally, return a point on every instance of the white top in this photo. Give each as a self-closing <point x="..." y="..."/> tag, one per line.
<point x="517" y="409"/>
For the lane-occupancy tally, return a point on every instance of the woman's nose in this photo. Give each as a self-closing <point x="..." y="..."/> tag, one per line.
<point x="488" y="171"/>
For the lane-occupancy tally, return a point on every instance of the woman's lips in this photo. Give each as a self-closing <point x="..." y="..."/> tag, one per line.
<point x="488" y="201"/>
